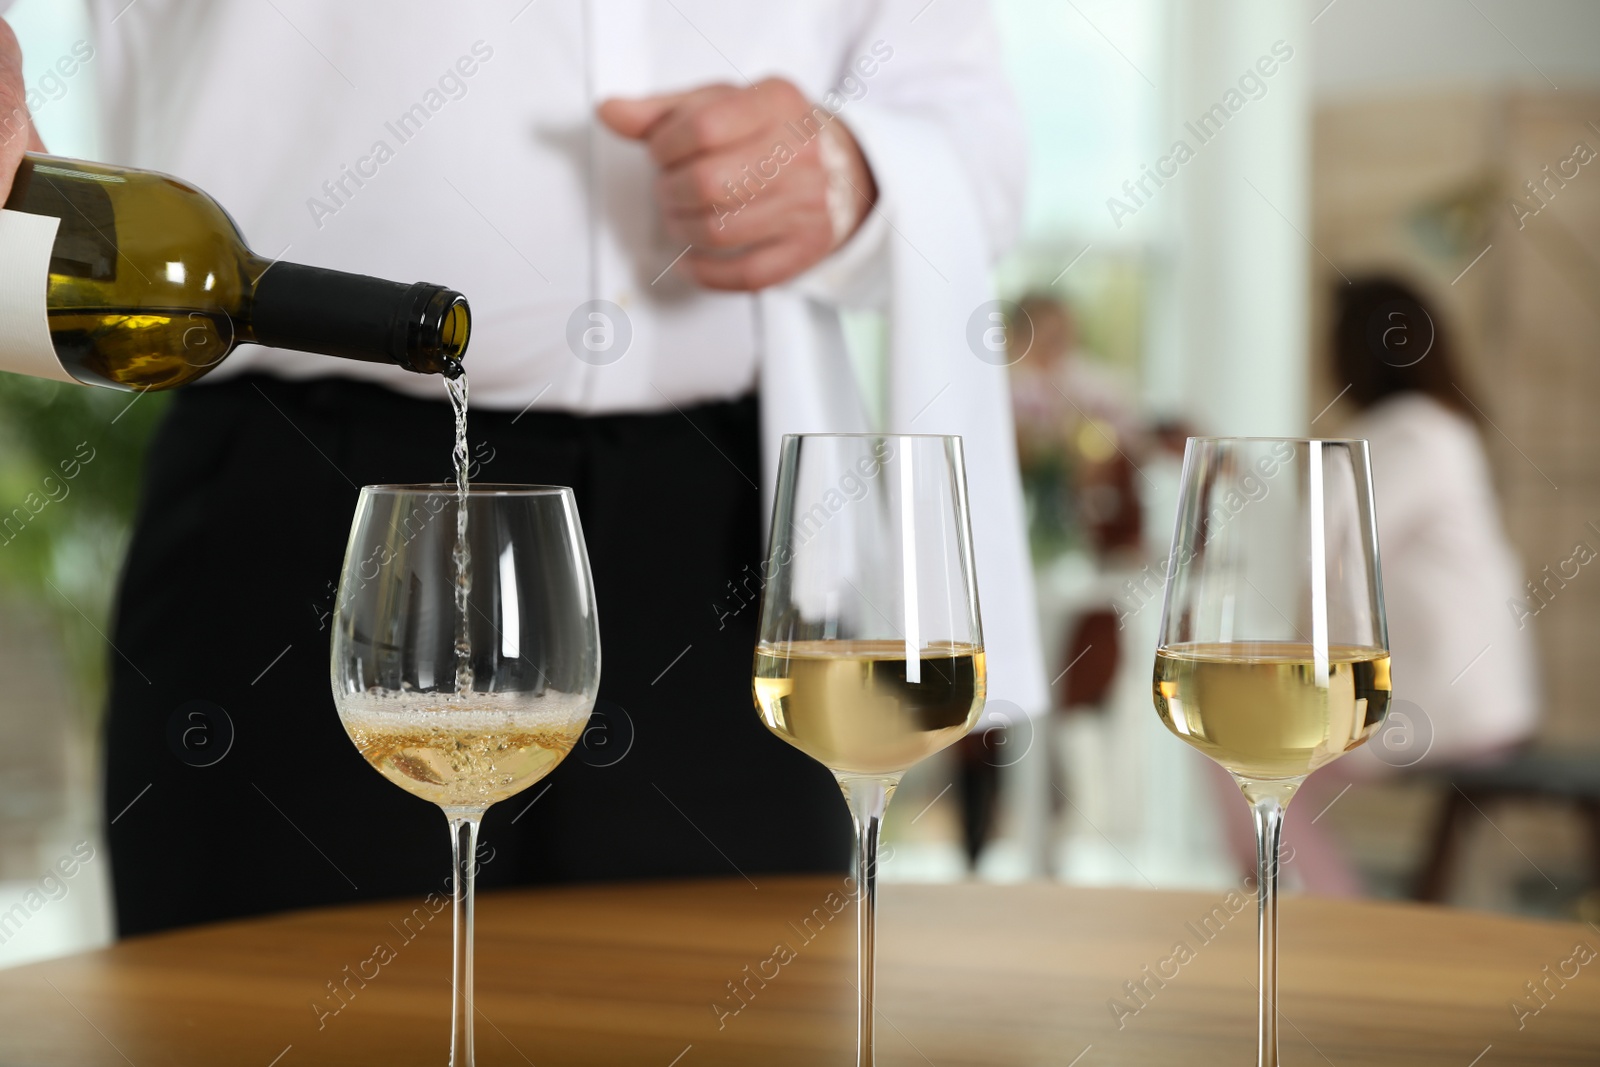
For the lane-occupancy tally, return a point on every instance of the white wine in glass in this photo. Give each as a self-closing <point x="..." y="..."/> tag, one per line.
<point x="1260" y="709"/>
<point x="871" y="652"/>
<point x="463" y="755"/>
<point x="849" y="705"/>
<point x="461" y="682"/>
<point x="1274" y="654"/>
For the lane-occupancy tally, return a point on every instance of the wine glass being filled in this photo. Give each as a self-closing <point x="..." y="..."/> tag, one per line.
<point x="465" y="684"/>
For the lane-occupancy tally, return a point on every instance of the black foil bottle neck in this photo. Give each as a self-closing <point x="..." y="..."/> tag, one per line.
<point x="421" y="327"/>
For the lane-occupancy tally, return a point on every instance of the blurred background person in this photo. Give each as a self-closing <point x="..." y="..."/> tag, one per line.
<point x="1451" y="579"/>
<point x="1100" y="470"/>
<point x="1077" y="417"/>
<point x="1058" y="385"/>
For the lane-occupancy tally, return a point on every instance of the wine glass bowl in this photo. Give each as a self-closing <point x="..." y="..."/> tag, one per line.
<point x="465" y="676"/>
<point x="1274" y="653"/>
<point x="533" y="673"/>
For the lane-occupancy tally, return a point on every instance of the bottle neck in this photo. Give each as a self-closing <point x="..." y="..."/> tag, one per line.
<point x="421" y="327"/>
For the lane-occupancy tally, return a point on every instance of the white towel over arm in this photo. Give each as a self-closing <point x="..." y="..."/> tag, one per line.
<point x="944" y="139"/>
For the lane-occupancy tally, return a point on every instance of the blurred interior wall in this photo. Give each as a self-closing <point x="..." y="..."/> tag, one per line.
<point x="49" y="767"/>
<point x="1367" y="48"/>
<point x="1431" y="117"/>
<point x="1429" y="185"/>
<point x="55" y="37"/>
<point x="1231" y="330"/>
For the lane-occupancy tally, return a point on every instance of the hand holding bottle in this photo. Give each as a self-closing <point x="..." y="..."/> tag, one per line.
<point x="17" y="134"/>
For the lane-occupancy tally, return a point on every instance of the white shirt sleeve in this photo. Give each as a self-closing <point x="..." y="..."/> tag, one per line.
<point x="854" y="275"/>
<point x="941" y="132"/>
<point x="946" y="68"/>
<point x="939" y="64"/>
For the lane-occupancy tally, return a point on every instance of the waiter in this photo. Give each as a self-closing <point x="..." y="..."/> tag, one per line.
<point x="658" y="209"/>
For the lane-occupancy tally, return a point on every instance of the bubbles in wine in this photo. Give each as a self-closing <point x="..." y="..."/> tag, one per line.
<point x="464" y="754"/>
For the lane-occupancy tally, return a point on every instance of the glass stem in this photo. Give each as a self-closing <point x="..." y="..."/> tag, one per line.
<point x="464" y="852"/>
<point x="869" y="798"/>
<point x="1267" y="804"/>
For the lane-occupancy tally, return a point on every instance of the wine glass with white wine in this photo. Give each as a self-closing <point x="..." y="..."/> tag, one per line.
<point x="1274" y="655"/>
<point x="464" y="683"/>
<point x="871" y="654"/>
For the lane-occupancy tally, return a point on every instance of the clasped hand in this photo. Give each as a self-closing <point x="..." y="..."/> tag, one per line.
<point x="760" y="182"/>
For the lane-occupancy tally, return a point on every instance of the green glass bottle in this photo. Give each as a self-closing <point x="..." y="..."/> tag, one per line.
<point x="149" y="285"/>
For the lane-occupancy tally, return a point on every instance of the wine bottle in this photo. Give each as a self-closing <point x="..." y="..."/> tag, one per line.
<point x="135" y="280"/>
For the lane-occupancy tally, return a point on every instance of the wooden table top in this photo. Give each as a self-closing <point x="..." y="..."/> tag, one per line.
<point x="969" y="975"/>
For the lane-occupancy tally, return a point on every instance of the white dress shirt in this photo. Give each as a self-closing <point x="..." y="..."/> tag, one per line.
<point x="486" y="188"/>
<point x="456" y="144"/>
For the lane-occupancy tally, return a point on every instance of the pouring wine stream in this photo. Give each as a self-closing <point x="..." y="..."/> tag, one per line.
<point x="457" y="388"/>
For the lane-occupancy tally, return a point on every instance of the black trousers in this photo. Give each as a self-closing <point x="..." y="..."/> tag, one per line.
<point x="231" y="788"/>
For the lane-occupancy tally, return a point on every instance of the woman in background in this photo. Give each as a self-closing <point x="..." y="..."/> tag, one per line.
<point x="1465" y="686"/>
<point x="1449" y="572"/>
